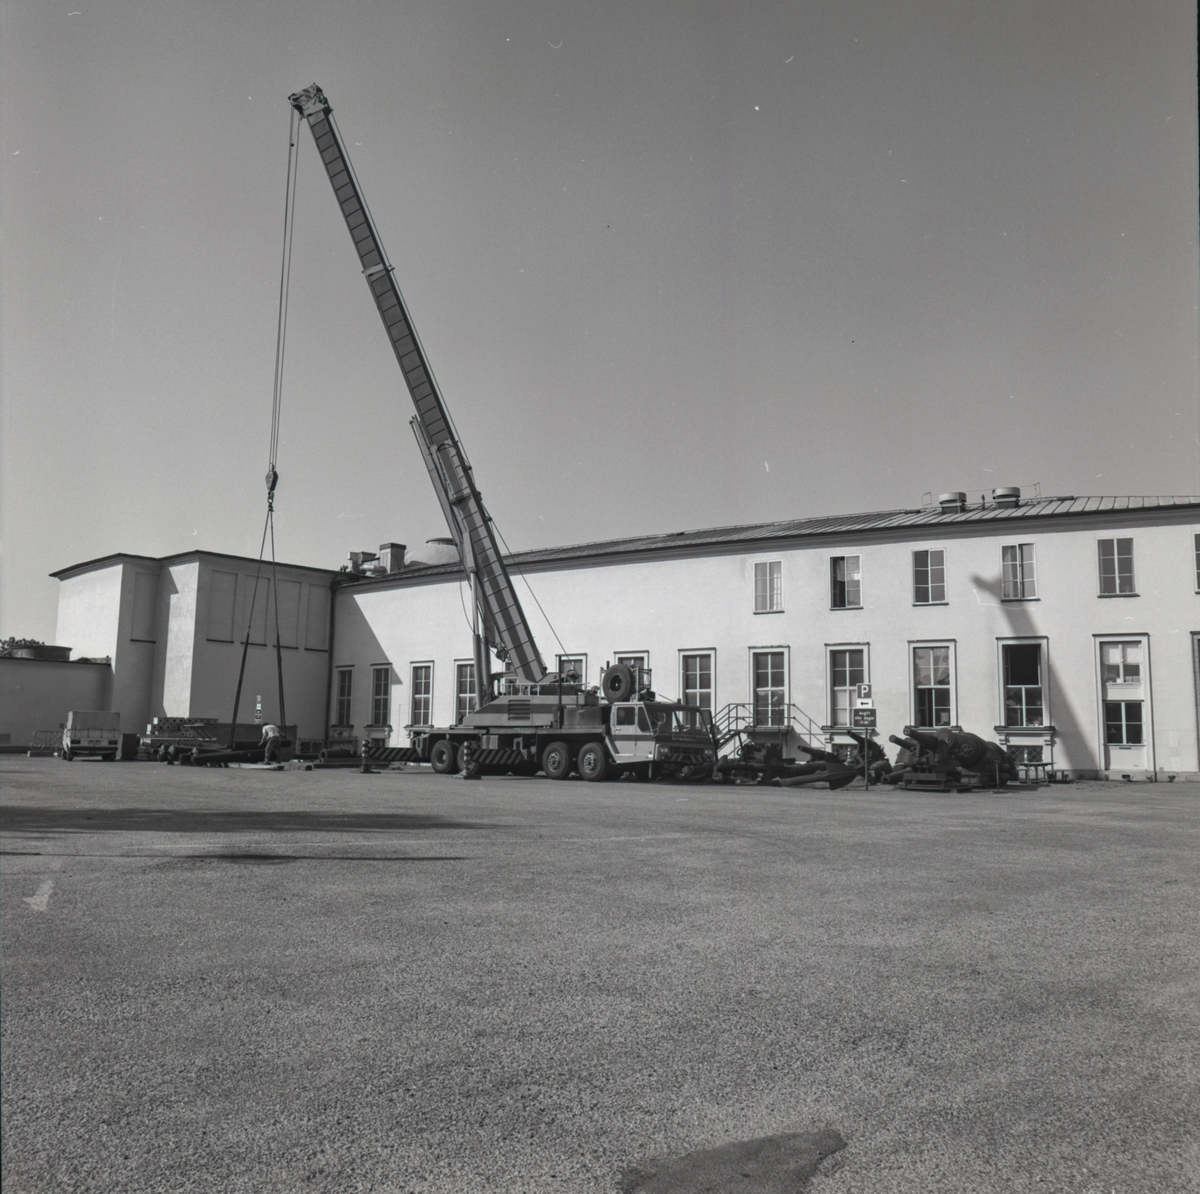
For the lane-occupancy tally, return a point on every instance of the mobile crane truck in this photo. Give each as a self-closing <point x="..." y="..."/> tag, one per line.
<point x="527" y="719"/>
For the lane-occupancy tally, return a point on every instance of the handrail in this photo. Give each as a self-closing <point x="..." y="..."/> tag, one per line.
<point x="738" y="718"/>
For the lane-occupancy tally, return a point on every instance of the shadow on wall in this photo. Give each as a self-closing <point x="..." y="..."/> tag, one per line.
<point x="355" y="643"/>
<point x="1070" y="738"/>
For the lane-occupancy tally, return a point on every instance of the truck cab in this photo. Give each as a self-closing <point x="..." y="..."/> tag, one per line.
<point x="642" y="734"/>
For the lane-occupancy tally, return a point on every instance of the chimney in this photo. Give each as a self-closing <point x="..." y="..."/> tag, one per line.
<point x="952" y="503"/>
<point x="358" y="559"/>
<point x="391" y="556"/>
<point x="1009" y="496"/>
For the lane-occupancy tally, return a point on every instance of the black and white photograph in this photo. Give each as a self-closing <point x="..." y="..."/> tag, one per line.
<point x="593" y="597"/>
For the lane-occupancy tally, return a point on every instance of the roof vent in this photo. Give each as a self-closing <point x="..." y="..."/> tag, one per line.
<point x="952" y="503"/>
<point x="391" y="556"/>
<point x="1008" y="496"/>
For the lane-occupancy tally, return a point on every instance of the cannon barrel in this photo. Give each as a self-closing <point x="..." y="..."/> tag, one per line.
<point x="924" y="739"/>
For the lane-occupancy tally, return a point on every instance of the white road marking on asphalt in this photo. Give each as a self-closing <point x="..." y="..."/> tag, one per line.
<point x="41" y="897"/>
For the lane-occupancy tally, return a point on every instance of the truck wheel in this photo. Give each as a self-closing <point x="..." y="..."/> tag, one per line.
<point x="465" y="754"/>
<point x="556" y="761"/>
<point x="592" y="762"/>
<point x="443" y="756"/>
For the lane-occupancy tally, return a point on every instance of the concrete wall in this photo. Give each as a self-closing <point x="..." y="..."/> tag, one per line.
<point x="691" y="603"/>
<point x="216" y="657"/>
<point x="173" y="630"/>
<point x="36" y="694"/>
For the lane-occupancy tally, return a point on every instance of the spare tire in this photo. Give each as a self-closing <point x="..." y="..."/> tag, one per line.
<point x="618" y="682"/>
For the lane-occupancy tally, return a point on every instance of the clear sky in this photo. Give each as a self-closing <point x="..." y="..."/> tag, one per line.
<point x="676" y="265"/>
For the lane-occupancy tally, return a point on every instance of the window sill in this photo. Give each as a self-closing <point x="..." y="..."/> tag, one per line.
<point x="841" y="608"/>
<point x="758" y="612"/>
<point x="1106" y="596"/>
<point x="923" y="604"/>
<point x="1045" y="731"/>
<point x="1018" y="600"/>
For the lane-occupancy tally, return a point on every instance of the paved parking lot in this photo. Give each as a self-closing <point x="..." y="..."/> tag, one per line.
<point x="256" y="981"/>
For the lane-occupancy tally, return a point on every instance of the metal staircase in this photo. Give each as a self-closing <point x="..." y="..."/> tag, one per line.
<point x="739" y="720"/>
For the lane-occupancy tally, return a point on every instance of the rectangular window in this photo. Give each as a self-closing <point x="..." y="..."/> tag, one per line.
<point x="847" y="670"/>
<point x="573" y="668"/>
<point x="931" y="687"/>
<point x="316" y="619"/>
<point x="381" y="695"/>
<point x="1123" y="723"/>
<point x="1196" y="549"/>
<point x="634" y="659"/>
<point x="1023" y="700"/>
<point x="696" y="680"/>
<point x="145" y="607"/>
<point x="422" y="695"/>
<point x="1121" y="663"/>
<point x="845" y="582"/>
<point x="287" y="593"/>
<point x="770" y="689"/>
<point x="929" y="577"/>
<point x="261" y="596"/>
<point x="1116" y="567"/>
<point x="222" y="590"/>
<point x="768" y="587"/>
<point x="1019" y="581"/>
<point x="345" y="688"/>
<point x="464" y="691"/>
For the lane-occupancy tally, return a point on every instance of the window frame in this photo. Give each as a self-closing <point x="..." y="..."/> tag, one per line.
<point x="711" y="652"/>
<point x="346" y="671"/>
<point x="1116" y="541"/>
<point x="845" y="559"/>
<point x="471" y="698"/>
<point x="376" y="670"/>
<point x="1043" y="643"/>
<point x="1145" y="682"/>
<point x="1021" y="581"/>
<point x="913" y="646"/>
<point x="414" y="693"/>
<point x="773" y="591"/>
<point x="927" y="552"/>
<point x="558" y="665"/>
<point x="830" y="703"/>
<point x="786" y="688"/>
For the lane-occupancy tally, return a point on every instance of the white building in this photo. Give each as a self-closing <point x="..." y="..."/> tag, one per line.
<point x="1066" y="628"/>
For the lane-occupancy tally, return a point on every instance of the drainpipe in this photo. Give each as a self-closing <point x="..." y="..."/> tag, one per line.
<point x="329" y="666"/>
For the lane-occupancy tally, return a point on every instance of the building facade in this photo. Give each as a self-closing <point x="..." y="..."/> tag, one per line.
<point x="1068" y="629"/>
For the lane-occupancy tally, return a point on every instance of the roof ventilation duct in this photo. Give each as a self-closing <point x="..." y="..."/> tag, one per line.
<point x="391" y="556"/>
<point x="1009" y="496"/>
<point x="952" y="503"/>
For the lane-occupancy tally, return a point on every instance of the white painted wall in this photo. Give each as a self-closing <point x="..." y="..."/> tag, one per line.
<point x="666" y="606"/>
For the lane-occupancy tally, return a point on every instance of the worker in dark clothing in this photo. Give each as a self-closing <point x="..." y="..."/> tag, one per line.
<point x="272" y="740"/>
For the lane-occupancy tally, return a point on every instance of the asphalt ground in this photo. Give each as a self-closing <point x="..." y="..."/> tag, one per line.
<point x="234" y="980"/>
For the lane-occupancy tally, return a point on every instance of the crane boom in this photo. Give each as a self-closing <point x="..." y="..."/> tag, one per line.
<point x="470" y="524"/>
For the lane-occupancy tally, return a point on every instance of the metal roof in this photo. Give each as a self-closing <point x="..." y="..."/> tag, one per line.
<point x="826" y="525"/>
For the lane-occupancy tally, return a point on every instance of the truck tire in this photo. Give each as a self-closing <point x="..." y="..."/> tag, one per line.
<point x="443" y="756"/>
<point x="592" y="762"/>
<point x="464" y="755"/>
<point x="617" y="683"/>
<point x="556" y="760"/>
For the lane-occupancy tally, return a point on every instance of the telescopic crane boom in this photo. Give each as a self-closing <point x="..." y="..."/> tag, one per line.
<point x="503" y="619"/>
